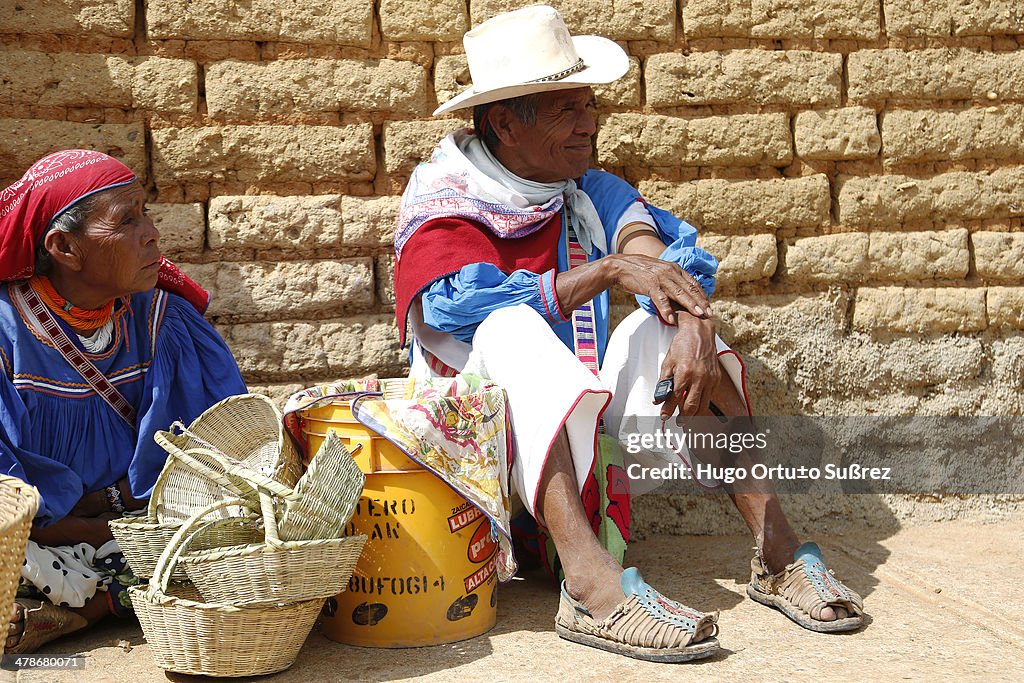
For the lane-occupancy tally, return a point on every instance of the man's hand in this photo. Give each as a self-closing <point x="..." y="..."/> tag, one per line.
<point x="692" y="363"/>
<point x="670" y="287"/>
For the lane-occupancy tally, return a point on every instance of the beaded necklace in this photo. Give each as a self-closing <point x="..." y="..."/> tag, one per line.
<point x="79" y="318"/>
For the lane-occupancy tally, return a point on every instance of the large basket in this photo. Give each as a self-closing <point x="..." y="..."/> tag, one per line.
<point x="143" y="539"/>
<point x="274" y="571"/>
<point x="320" y="504"/>
<point x="18" y="505"/>
<point x="190" y="636"/>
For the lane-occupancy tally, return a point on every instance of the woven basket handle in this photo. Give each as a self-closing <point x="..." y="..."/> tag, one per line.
<point x="168" y="559"/>
<point x="238" y="469"/>
<point x="197" y="466"/>
<point x="270" y="534"/>
<point x="249" y="476"/>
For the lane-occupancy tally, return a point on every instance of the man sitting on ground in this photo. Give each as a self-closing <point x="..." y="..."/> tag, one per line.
<point x="507" y="246"/>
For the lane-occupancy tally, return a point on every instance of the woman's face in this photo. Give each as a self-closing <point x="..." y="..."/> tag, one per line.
<point x="119" y="247"/>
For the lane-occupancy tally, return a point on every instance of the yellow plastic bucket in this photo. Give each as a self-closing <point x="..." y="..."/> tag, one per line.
<point x="426" y="575"/>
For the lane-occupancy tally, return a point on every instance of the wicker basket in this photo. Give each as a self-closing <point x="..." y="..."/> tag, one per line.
<point x="213" y="639"/>
<point x="248" y="427"/>
<point x="18" y="505"/>
<point x="319" y="506"/>
<point x="143" y="539"/>
<point x="273" y="571"/>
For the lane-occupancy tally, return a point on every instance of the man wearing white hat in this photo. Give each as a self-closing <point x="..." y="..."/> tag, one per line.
<point x="507" y="246"/>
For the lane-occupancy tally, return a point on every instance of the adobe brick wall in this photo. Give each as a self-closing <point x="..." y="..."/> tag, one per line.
<point x="857" y="166"/>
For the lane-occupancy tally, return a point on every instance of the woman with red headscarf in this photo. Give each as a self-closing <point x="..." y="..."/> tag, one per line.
<point x="102" y="342"/>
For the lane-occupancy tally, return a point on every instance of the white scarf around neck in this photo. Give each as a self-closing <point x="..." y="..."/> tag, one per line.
<point x="522" y="193"/>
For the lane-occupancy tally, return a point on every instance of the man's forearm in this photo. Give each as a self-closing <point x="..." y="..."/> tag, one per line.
<point x="581" y="284"/>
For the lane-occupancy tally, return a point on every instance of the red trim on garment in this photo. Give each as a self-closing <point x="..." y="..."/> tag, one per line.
<point x="561" y="426"/>
<point x="743" y="379"/>
<point x="442" y="246"/>
<point x="544" y="297"/>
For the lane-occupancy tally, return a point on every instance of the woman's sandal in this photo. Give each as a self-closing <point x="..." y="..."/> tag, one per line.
<point x="803" y="589"/>
<point x="42" y="621"/>
<point x="646" y="625"/>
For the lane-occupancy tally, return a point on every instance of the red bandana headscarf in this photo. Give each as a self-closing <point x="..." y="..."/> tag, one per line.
<point x="49" y="187"/>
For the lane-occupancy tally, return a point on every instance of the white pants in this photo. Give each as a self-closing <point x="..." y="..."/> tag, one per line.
<point x="549" y="388"/>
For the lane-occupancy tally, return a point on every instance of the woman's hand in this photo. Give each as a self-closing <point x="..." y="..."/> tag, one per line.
<point x="91" y="505"/>
<point x="97" y="503"/>
<point x="73" y="530"/>
<point x="130" y="503"/>
<point x="692" y="363"/>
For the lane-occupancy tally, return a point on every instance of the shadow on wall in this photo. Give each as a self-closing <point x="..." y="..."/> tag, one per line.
<point x="804" y="356"/>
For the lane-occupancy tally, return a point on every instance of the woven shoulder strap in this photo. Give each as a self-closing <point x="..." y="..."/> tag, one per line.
<point x="38" y="315"/>
<point x="584" y="332"/>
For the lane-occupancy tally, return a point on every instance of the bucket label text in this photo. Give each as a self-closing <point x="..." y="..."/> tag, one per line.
<point x="395" y="585"/>
<point x="481" y="547"/>
<point x="463" y="516"/>
<point x="479" y="577"/>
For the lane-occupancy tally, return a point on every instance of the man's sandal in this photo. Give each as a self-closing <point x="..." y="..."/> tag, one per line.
<point x="646" y="625"/>
<point x="803" y="589"/>
<point x="42" y="621"/>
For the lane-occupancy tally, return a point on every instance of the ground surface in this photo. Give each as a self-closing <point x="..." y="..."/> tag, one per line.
<point x="944" y="601"/>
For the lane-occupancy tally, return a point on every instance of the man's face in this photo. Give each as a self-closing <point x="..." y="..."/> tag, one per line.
<point x="559" y="145"/>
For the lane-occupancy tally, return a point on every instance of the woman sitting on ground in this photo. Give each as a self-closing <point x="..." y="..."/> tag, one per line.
<point x="102" y="343"/>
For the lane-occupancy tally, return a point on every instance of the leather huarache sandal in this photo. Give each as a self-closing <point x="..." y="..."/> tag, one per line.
<point x="42" y="621"/>
<point x="803" y="589"/>
<point x="646" y="625"/>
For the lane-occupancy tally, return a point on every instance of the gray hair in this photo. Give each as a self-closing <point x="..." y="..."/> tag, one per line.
<point x="71" y="221"/>
<point x="523" y="108"/>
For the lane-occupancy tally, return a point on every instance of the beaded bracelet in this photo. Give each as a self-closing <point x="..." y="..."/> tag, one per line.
<point x="114" y="498"/>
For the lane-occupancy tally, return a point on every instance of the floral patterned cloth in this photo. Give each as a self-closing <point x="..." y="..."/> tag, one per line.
<point x="322" y="393"/>
<point x="457" y="428"/>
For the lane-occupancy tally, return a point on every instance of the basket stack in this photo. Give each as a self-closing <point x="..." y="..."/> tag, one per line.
<point x="18" y="505"/>
<point x="246" y="428"/>
<point x="239" y="581"/>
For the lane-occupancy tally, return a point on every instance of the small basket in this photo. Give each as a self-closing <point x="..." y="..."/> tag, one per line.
<point x="274" y="571"/>
<point x="215" y="639"/>
<point x="18" y="505"/>
<point x="248" y="429"/>
<point x="143" y="539"/>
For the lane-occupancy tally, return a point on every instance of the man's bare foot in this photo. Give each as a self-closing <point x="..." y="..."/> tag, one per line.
<point x="599" y="590"/>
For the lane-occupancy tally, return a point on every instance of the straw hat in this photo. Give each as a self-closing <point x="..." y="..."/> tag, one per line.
<point x="530" y="50"/>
